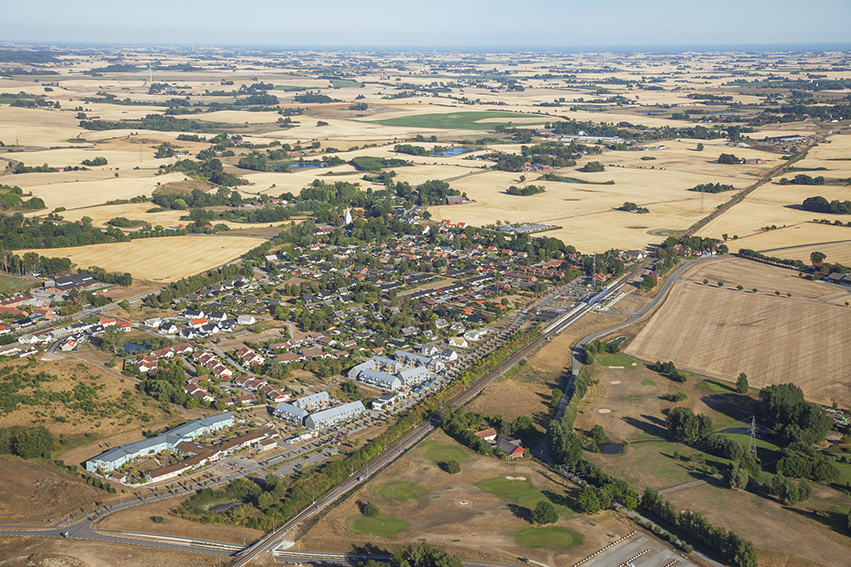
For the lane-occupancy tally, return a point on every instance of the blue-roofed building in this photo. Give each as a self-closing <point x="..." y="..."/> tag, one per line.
<point x="168" y="441"/>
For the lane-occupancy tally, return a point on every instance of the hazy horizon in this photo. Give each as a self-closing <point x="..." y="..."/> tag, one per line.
<point x="440" y="24"/>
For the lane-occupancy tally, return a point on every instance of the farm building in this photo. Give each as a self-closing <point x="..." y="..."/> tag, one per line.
<point x="510" y="447"/>
<point x="80" y="280"/>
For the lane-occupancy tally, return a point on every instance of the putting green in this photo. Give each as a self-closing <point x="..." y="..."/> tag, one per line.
<point x="609" y="359"/>
<point x="442" y="453"/>
<point x="551" y="537"/>
<point x="378" y="526"/>
<point x="400" y="490"/>
<point x="502" y="485"/>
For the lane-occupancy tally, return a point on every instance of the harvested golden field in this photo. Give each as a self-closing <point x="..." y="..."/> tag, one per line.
<point x="75" y="189"/>
<point x="722" y="332"/>
<point x="798" y="241"/>
<point x="160" y="259"/>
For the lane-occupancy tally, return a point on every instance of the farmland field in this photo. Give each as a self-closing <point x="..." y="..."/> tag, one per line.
<point x="463" y="120"/>
<point x="160" y="259"/>
<point x="722" y="332"/>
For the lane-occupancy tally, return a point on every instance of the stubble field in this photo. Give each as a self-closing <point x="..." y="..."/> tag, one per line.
<point x="160" y="259"/>
<point x="722" y="332"/>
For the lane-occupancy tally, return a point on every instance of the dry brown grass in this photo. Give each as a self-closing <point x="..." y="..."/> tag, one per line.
<point x="138" y="519"/>
<point x="722" y="332"/>
<point x="160" y="259"/>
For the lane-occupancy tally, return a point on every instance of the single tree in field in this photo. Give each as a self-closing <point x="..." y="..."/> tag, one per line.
<point x="545" y="513"/>
<point x="700" y="147"/>
<point x="705" y="282"/>
<point x="740" y="287"/>
<point x="370" y="510"/>
<point x="817" y="257"/>
<point x="452" y="467"/>
<point x="720" y="284"/>
<point x="755" y="290"/>
<point x="742" y="383"/>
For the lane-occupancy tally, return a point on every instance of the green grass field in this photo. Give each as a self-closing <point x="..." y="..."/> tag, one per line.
<point x="648" y="383"/>
<point x="442" y="453"/>
<point x="8" y="282"/>
<point x="378" y="526"/>
<point x="400" y="490"/>
<point x="714" y="386"/>
<point x="505" y="487"/>
<point x="458" y="120"/>
<point x="344" y="83"/>
<point x="550" y="537"/>
<point x="609" y="359"/>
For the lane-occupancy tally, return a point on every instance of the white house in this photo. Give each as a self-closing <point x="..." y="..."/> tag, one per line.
<point x="457" y="342"/>
<point x="246" y="320"/>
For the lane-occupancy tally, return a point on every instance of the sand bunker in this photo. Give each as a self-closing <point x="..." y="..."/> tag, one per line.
<point x="463" y="503"/>
<point x="621" y="367"/>
<point x="515" y="478"/>
<point x="615" y="382"/>
<point x="604" y="410"/>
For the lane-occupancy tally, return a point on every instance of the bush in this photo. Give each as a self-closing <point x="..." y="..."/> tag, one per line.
<point x="452" y="467"/>
<point x="544" y="513"/>
<point x="158" y="519"/>
<point x="370" y="510"/>
<point x="593" y="167"/>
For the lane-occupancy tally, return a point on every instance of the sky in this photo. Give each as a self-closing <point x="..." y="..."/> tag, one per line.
<point x="428" y="23"/>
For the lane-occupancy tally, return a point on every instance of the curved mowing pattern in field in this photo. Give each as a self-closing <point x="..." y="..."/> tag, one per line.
<point x="662" y="232"/>
<point x="400" y="490"/>
<point x="378" y="526"/>
<point x="505" y="487"/>
<point x="551" y="537"/>
<point x="616" y="360"/>
<point x="442" y="453"/>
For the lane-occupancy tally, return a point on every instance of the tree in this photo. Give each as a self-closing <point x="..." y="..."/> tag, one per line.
<point x="588" y="501"/>
<point x="742" y="383"/>
<point x="452" y="467"/>
<point x="817" y="257"/>
<point x="737" y="477"/>
<point x="598" y="436"/>
<point x="544" y="513"/>
<point x="700" y="147"/>
<point x="423" y="555"/>
<point x="111" y="338"/>
<point x="720" y="284"/>
<point x="565" y="446"/>
<point x="593" y="167"/>
<point x="370" y="510"/>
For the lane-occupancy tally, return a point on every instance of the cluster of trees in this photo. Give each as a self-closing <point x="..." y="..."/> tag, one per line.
<point x="691" y="244"/>
<point x="195" y="199"/>
<point x="728" y="159"/>
<point x="784" y="409"/>
<point x="313" y="98"/>
<point x="739" y="551"/>
<point x="803" y="179"/>
<point x="668" y="369"/>
<point x="210" y="169"/>
<point x="371" y="163"/>
<point x="123" y="279"/>
<point x="683" y="424"/>
<point x="598" y="347"/>
<point x="26" y="442"/>
<point x="192" y="284"/>
<point x="631" y="207"/>
<point x="410" y="150"/>
<point x="526" y="191"/>
<point x="593" y="167"/>
<point x="157" y="122"/>
<point x="602" y="490"/>
<point x="11" y="198"/>
<point x="821" y="205"/>
<point x="17" y="231"/>
<point x="167" y="385"/>
<point x="712" y="188"/>
<point x="21" y="167"/>
<point x="748" y="253"/>
<point x="95" y="162"/>
<point x="429" y="193"/>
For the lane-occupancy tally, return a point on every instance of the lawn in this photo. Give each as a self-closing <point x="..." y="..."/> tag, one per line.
<point x="648" y="383"/>
<point x="8" y="282"/>
<point x="400" y="490"/>
<point x="458" y="120"/>
<point x="344" y="83"/>
<point x="442" y="453"/>
<point x="713" y="386"/>
<point x="551" y="537"/>
<point x="505" y="487"/>
<point x="609" y="359"/>
<point x="378" y="526"/>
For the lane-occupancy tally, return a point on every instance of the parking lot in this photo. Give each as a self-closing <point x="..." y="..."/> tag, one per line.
<point x="640" y="551"/>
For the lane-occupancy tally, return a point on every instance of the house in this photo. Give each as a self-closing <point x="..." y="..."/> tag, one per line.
<point x="458" y="342"/>
<point x="192" y="314"/>
<point x="291" y="413"/>
<point x="198" y="323"/>
<point x="475" y="335"/>
<point x="448" y="354"/>
<point x="486" y="434"/>
<point x="153" y="322"/>
<point x="168" y="328"/>
<point x="510" y="448"/>
<point x="245" y="320"/>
